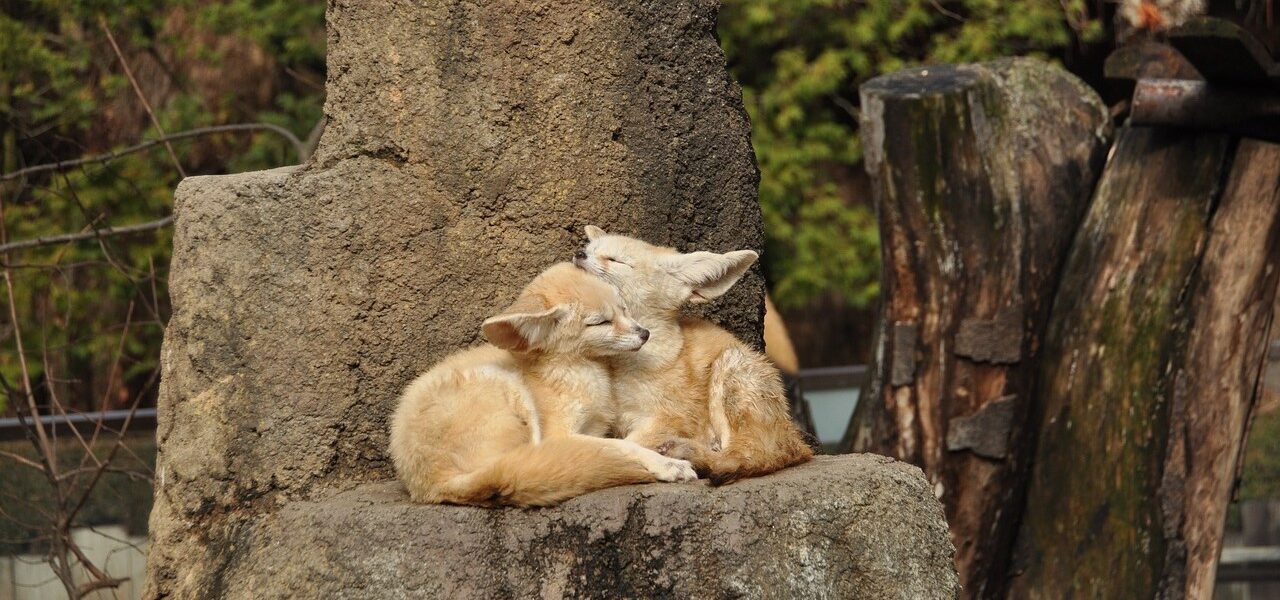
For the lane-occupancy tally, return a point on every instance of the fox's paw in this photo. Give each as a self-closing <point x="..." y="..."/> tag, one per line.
<point x="673" y="469"/>
<point x="682" y="448"/>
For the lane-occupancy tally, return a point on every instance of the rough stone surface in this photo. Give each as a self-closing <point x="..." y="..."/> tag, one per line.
<point x="468" y="144"/>
<point x="859" y="526"/>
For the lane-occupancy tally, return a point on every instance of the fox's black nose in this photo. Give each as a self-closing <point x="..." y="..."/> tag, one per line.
<point x="644" y="334"/>
<point x="580" y="255"/>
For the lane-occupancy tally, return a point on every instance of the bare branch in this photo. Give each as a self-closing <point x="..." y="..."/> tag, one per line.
<point x="100" y="579"/>
<point x="22" y="460"/>
<point x="124" y="427"/>
<point x="111" y="381"/>
<point x="46" y="453"/>
<point x="298" y="146"/>
<point x="86" y="235"/>
<point x="132" y="474"/>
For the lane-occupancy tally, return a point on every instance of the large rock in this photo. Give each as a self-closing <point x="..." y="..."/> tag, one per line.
<point x="858" y="526"/>
<point x="468" y="143"/>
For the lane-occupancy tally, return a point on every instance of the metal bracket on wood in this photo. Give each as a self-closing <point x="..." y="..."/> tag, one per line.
<point x="903" y="366"/>
<point x="985" y="432"/>
<point x="997" y="340"/>
<point x="1239" y="93"/>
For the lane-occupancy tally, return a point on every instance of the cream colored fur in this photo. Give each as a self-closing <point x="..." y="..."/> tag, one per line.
<point x="694" y="391"/>
<point x="518" y="421"/>
<point x="777" y="342"/>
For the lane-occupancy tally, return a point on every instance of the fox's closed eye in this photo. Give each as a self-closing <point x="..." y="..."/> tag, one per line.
<point x="601" y="323"/>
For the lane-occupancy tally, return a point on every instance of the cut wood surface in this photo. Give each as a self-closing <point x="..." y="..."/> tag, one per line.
<point x="981" y="175"/>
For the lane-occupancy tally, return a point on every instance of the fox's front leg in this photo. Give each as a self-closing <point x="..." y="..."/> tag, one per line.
<point x="664" y="468"/>
<point x="648" y="434"/>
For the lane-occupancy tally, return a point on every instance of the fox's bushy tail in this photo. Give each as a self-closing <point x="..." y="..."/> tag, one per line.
<point x="748" y="457"/>
<point x="764" y="438"/>
<point x="546" y="474"/>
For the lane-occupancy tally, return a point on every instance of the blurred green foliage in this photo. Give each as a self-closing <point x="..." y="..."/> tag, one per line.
<point x="800" y="62"/>
<point x="64" y="95"/>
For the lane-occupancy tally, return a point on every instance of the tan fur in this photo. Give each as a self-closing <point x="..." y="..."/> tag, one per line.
<point x="777" y="342"/>
<point x="514" y="425"/>
<point x="694" y="391"/>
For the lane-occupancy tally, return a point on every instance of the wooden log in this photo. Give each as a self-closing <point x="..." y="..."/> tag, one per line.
<point x="1219" y="376"/>
<point x="981" y="174"/>
<point x="1090" y="528"/>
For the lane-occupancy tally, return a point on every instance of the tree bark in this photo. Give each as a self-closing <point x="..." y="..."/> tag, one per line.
<point x="1221" y="374"/>
<point x="981" y="174"/>
<point x="1152" y="360"/>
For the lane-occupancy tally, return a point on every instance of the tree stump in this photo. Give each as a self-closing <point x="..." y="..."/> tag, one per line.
<point x="981" y="175"/>
<point x="1152" y="359"/>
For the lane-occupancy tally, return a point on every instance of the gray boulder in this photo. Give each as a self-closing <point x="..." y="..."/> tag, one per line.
<point x="467" y="144"/>
<point x="858" y="526"/>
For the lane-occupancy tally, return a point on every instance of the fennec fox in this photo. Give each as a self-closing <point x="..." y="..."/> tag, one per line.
<point x="694" y="391"/>
<point x="512" y="422"/>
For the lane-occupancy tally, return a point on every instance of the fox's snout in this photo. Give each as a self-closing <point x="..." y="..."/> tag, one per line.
<point x="643" y="333"/>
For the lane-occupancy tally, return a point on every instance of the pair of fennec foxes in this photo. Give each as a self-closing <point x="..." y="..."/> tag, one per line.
<point x="524" y="420"/>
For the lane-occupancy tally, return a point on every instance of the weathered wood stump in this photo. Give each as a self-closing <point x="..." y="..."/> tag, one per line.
<point x="1152" y="360"/>
<point x="981" y="175"/>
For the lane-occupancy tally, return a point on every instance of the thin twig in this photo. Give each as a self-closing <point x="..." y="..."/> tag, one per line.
<point x="298" y="146"/>
<point x="55" y="266"/>
<point x="132" y="474"/>
<point x="102" y="24"/>
<point x="942" y="9"/>
<point x="111" y="378"/>
<point x="22" y="460"/>
<point x="86" y="235"/>
<point x="43" y="440"/>
<point x="101" y="580"/>
<point x="62" y="410"/>
<point x="124" y="427"/>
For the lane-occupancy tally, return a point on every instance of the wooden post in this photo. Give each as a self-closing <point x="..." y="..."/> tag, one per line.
<point x="1152" y="359"/>
<point x="1220" y="375"/>
<point x="981" y="175"/>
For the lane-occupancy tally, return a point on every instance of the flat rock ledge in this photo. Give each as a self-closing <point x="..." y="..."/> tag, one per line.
<point x="856" y="526"/>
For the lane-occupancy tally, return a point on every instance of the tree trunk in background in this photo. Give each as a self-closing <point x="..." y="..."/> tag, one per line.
<point x="981" y="175"/>
<point x="1152" y="360"/>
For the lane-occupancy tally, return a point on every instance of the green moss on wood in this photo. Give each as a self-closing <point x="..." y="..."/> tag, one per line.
<point x="1093" y="526"/>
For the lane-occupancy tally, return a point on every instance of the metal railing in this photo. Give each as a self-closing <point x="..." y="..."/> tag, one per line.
<point x="144" y="419"/>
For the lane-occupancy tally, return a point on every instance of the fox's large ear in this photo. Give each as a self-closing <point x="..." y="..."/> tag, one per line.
<point x="593" y="232"/>
<point x="523" y="325"/>
<point x="710" y="274"/>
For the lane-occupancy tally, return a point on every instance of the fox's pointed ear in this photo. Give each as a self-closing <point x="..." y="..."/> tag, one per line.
<point x="593" y="232"/>
<point x="524" y="325"/>
<point x="710" y="274"/>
